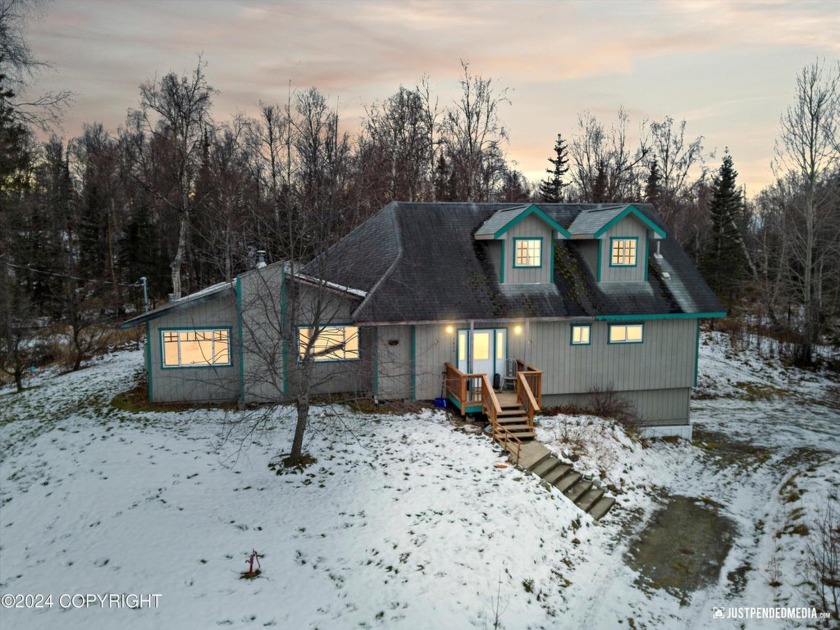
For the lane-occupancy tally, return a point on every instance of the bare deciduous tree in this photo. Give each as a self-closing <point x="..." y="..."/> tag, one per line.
<point x="20" y="68"/>
<point x="474" y="134"/>
<point x="603" y="164"/>
<point x="175" y="111"/>
<point x="807" y="158"/>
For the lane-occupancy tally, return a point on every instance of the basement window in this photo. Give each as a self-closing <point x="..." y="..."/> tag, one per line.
<point x="206" y="347"/>
<point x="627" y="333"/>
<point x="329" y="343"/>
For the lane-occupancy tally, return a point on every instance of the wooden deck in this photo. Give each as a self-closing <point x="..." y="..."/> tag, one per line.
<point x="506" y="398"/>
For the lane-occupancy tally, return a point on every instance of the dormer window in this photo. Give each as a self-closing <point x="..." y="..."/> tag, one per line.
<point x="528" y="252"/>
<point x="623" y="251"/>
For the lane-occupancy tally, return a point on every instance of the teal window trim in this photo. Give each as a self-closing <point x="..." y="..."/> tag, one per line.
<point x="241" y="343"/>
<point x="697" y="355"/>
<point x="229" y="329"/>
<point x="638" y="318"/>
<point x="516" y="241"/>
<point x="148" y="353"/>
<point x="533" y="210"/>
<point x="492" y="347"/>
<point x="413" y="362"/>
<point x="572" y="335"/>
<point x="636" y="213"/>
<point x="624" y="343"/>
<point x="635" y="262"/>
<point x="551" y="260"/>
<point x="502" y="265"/>
<point x="330" y="325"/>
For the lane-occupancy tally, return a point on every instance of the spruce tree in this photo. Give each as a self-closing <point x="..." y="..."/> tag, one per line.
<point x="551" y="189"/>
<point x="653" y="186"/>
<point x="722" y="262"/>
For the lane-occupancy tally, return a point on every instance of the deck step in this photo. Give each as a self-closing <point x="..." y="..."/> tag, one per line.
<point x="511" y="411"/>
<point x="521" y="436"/>
<point x="506" y="422"/>
<point x="576" y="491"/>
<point x="601" y="507"/>
<point x="513" y="428"/>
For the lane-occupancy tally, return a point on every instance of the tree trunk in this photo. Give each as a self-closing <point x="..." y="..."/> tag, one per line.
<point x="302" y="406"/>
<point x="178" y="261"/>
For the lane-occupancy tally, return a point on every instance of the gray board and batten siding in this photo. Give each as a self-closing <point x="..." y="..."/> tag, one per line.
<point x="656" y="375"/>
<point x="195" y="384"/>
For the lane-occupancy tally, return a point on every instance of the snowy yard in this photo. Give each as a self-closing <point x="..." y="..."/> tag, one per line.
<point x="403" y="522"/>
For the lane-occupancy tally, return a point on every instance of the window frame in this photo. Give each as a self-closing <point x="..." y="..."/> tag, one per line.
<point x="536" y="239"/>
<point x="327" y="358"/>
<point x="588" y="341"/>
<point x="625" y="341"/>
<point x="635" y="240"/>
<point x="213" y="329"/>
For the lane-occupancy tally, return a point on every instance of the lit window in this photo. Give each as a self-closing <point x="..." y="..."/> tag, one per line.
<point x="481" y="346"/>
<point x="195" y="348"/>
<point x="329" y="343"/>
<point x="580" y="335"/>
<point x="623" y="252"/>
<point x="627" y="333"/>
<point x="528" y="252"/>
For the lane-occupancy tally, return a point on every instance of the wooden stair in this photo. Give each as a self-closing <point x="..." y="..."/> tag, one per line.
<point x="514" y="419"/>
<point x="584" y="493"/>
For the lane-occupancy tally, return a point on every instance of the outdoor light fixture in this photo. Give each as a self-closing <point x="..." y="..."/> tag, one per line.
<point x="450" y="329"/>
<point x="517" y="330"/>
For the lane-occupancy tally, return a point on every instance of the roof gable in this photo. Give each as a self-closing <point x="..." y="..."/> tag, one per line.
<point x="595" y="222"/>
<point x="503" y="220"/>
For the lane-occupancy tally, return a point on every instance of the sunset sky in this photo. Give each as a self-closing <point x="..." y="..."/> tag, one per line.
<point x="728" y="68"/>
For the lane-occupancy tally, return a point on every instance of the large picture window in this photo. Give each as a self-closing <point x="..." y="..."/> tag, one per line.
<point x="623" y="252"/>
<point x="332" y="343"/>
<point x="196" y="347"/>
<point x="627" y="333"/>
<point x="528" y="252"/>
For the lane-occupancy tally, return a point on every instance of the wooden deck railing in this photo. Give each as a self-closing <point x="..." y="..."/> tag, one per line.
<point x="465" y="388"/>
<point x="476" y="389"/>
<point x="533" y="377"/>
<point x="526" y="398"/>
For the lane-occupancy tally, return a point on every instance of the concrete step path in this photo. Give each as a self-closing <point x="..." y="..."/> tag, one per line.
<point x="584" y="493"/>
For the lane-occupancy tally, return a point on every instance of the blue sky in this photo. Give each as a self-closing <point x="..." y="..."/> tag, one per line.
<point x="728" y="68"/>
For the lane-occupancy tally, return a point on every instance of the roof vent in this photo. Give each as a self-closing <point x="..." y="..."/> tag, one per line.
<point x="666" y="275"/>
<point x="260" y="259"/>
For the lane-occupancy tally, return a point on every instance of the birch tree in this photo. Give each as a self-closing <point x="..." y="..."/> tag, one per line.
<point x="807" y="157"/>
<point x="175" y="112"/>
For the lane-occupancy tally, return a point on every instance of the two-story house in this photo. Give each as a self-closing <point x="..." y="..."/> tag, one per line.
<point x="585" y="297"/>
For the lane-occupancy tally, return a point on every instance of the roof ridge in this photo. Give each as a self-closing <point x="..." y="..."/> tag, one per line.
<point x="391" y="267"/>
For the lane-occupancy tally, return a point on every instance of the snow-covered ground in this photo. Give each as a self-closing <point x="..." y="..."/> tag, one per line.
<point x="404" y="521"/>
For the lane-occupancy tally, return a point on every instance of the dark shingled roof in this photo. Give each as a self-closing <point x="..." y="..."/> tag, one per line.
<point x="422" y="262"/>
